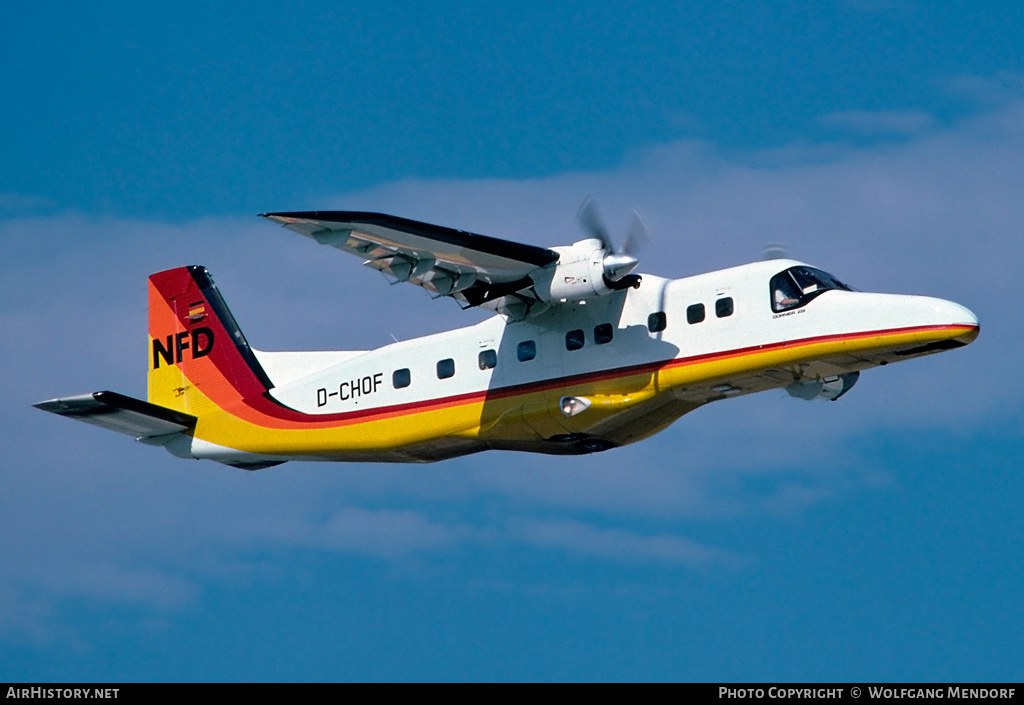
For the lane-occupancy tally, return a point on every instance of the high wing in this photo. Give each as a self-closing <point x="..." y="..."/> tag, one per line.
<point x="476" y="270"/>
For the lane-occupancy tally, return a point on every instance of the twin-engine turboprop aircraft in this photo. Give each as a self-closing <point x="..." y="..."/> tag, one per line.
<point x="584" y="355"/>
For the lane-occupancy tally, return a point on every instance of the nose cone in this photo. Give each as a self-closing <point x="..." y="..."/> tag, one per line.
<point x="896" y="311"/>
<point x="906" y="326"/>
<point x="618" y="266"/>
<point x="933" y="324"/>
<point x="954" y="313"/>
<point x="960" y="321"/>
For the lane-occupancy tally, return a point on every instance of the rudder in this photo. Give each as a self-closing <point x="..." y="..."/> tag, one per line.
<point x="199" y="360"/>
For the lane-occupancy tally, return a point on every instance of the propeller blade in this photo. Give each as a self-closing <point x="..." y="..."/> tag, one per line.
<point x="638" y="235"/>
<point x="590" y="221"/>
<point x="618" y="262"/>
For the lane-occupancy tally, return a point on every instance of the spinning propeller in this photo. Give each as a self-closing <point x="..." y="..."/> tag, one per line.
<point x="618" y="261"/>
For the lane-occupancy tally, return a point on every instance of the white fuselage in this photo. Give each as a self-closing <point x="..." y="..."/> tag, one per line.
<point x="364" y="379"/>
<point x="645" y="329"/>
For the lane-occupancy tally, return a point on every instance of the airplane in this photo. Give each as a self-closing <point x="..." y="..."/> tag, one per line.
<point x="581" y="356"/>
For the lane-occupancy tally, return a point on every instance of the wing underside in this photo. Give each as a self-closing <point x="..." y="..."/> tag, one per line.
<point x="476" y="270"/>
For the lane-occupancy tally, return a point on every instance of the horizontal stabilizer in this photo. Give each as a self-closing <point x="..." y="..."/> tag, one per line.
<point x="143" y="421"/>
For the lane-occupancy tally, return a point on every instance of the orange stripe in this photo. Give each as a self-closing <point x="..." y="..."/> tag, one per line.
<point x="269" y="414"/>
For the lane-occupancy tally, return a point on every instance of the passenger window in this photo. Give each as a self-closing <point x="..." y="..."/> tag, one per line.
<point x="723" y="307"/>
<point x="656" y="322"/>
<point x="574" y="339"/>
<point x="603" y="333"/>
<point x="445" y="368"/>
<point x="488" y="359"/>
<point x="401" y="378"/>
<point x="695" y="313"/>
<point x="526" y="350"/>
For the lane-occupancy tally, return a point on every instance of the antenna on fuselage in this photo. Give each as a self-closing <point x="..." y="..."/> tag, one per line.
<point x="774" y="250"/>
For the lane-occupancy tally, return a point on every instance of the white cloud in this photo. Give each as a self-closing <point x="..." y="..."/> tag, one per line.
<point x="989" y="90"/>
<point x="19" y="203"/>
<point x="378" y="532"/>
<point x="579" y="538"/>
<point x="113" y="583"/>
<point x="881" y="122"/>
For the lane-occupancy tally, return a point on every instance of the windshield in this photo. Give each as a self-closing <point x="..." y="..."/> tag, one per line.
<point x="796" y="286"/>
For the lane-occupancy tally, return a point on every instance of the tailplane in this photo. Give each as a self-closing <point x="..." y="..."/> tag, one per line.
<point x="147" y="423"/>
<point x="199" y="363"/>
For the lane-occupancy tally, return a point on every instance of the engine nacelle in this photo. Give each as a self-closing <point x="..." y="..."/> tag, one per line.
<point x="578" y="273"/>
<point x="582" y="271"/>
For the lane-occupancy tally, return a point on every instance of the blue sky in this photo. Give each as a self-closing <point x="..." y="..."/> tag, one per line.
<point x="763" y="538"/>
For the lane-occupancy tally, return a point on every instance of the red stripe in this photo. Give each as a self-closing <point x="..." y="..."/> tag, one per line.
<point x="274" y="409"/>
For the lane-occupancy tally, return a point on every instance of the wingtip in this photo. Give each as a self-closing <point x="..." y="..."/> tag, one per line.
<point x="62" y="405"/>
<point x="279" y="218"/>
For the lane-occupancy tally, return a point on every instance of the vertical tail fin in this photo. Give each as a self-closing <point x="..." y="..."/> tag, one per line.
<point x="198" y="358"/>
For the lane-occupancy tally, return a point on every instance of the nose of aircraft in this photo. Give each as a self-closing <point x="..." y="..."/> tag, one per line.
<point x="954" y="313"/>
<point x="960" y="319"/>
<point x="933" y="320"/>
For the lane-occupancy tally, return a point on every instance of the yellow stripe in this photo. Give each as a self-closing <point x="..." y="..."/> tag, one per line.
<point x="529" y="415"/>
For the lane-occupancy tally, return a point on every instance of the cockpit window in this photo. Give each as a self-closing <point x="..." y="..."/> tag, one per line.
<point x="796" y="286"/>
